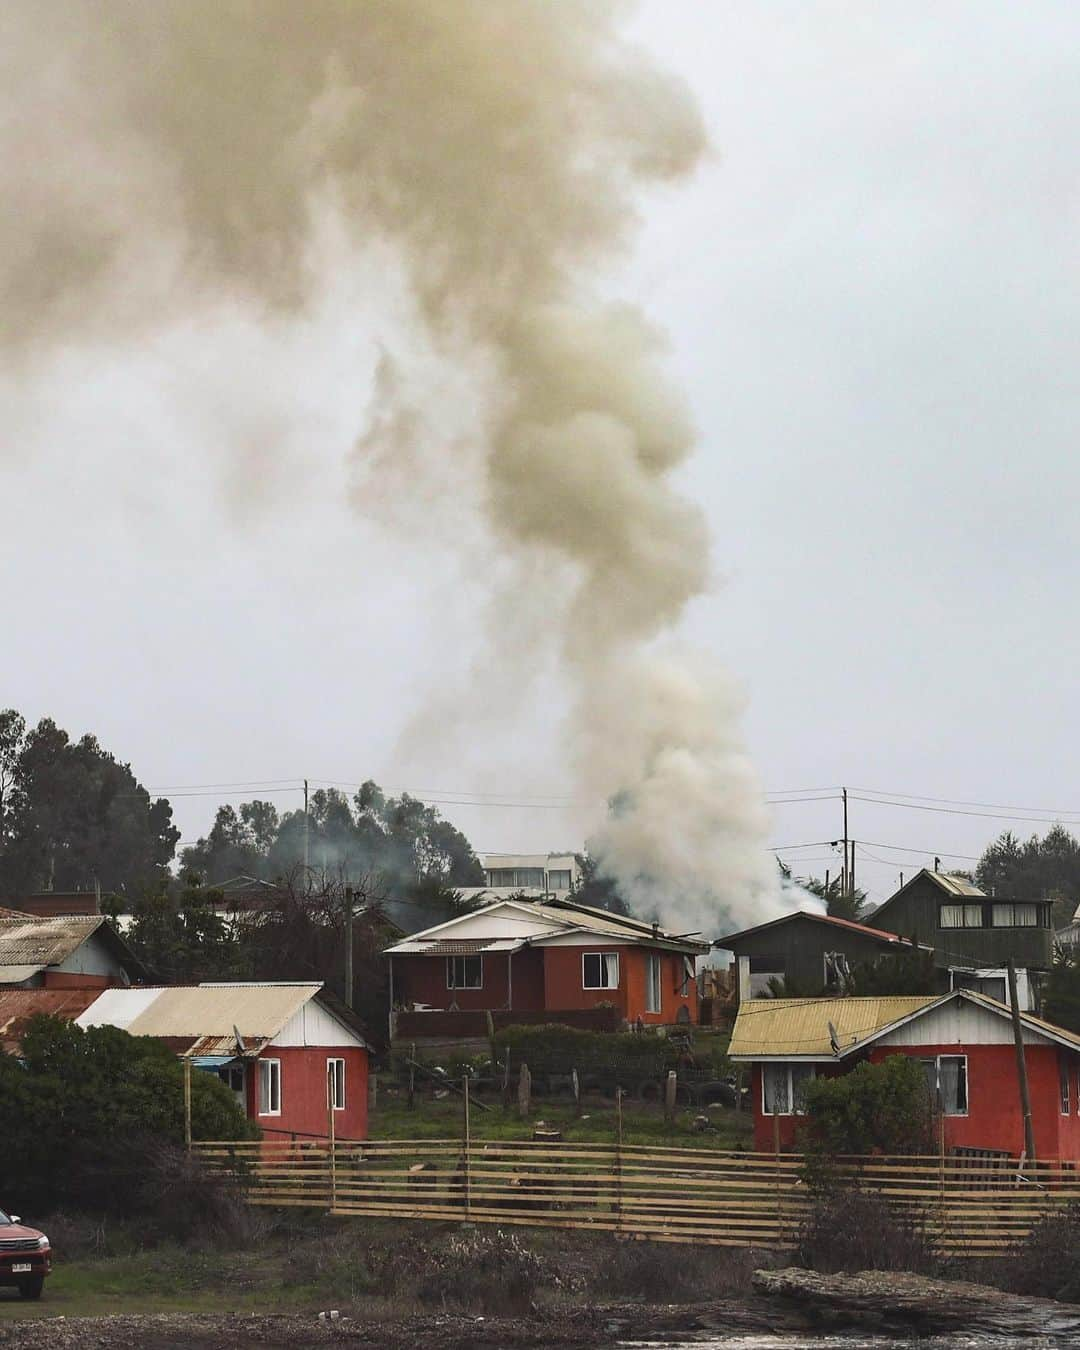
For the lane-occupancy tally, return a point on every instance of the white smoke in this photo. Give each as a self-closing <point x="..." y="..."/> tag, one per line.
<point x="161" y="155"/>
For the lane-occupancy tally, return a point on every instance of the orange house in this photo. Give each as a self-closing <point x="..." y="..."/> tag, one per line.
<point x="964" y="1041"/>
<point x="542" y="961"/>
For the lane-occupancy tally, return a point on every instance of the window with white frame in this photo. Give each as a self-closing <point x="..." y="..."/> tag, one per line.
<point x="653" y="991"/>
<point x="600" y="970"/>
<point x="1010" y="915"/>
<point x="1064" y="1084"/>
<point x="559" y="879"/>
<point x="783" y="1088"/>
<point x="335" y="1083"/>
<point x="464" y="972"/>
<point x="269" y="1087"/>
<point x="946" y="1077"/>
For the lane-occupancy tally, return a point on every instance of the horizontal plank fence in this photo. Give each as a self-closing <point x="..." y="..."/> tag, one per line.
<point x="665" y="1194"/>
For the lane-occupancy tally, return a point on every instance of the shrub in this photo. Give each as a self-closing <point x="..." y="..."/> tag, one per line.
<point x="848" y="1229"/>
<point x="491" y="1272"/>
<point x="663" y="1272"/>
<point x="1047" y="1262"/>
<point x="881" y="1108"/>
<point x="77" y="1099"/>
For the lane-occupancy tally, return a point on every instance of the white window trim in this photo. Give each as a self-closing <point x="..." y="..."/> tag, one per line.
<point x="603" y="966"/>
<point x="471" y="956"/>
<point x="331" y="1074"/>
<point x="790" y="1088"/>
<point x="953" y="1115"/>
<point x="272" y="1068"/>
<point x="653" y="961"/>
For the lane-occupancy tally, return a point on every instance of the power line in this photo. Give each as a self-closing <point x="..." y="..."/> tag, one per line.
<point x="957" y="801"/>
<point x="955" y="811"/>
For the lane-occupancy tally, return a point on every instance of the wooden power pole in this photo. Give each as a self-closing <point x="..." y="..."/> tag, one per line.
<point x="1021" y="1065"/>
<point x="348" y="947"/>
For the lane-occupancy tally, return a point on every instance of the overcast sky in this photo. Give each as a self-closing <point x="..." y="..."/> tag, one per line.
<point x="870" y="292"/>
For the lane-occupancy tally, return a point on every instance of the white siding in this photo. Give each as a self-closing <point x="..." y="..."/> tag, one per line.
<point x="957" y="1024"/>
<point x="508" y="922"/>
<point x="581" y="939"/>
<point x="91" y="957"/>
<point x="312" y="1025"/>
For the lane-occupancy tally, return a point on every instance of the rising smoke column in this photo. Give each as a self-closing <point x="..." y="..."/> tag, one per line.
<point x="162" y="154"/>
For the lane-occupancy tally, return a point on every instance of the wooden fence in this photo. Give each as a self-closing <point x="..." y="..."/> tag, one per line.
<point x="969" y="1206"/>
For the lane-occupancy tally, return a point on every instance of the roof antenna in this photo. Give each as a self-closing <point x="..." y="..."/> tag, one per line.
<point x="937" y="864"/>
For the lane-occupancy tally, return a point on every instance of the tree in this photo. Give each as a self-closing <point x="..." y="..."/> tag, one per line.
<point x="183" y="939"/>
<point x="73" y="1096"/>
<point x="1038" y="869"/>
<point x="910" y="970"/>
<point x="594" y="889"/>
<point x="73" y="816"/>
<point x="838" y="903"/>
<point x="1061" y="993"/>
<point x="875" y="1108"/>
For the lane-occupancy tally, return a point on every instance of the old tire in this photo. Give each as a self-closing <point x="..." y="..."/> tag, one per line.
<point x="31" y="1288"/>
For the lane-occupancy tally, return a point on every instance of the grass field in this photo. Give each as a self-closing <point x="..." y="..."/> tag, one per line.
<point x="643" y="1122"/>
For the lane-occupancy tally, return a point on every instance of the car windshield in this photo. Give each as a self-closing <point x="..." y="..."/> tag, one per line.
<point x="5" y="1218"/>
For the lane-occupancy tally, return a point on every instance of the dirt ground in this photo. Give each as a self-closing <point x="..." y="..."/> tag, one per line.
<point x="592" y="1327"/>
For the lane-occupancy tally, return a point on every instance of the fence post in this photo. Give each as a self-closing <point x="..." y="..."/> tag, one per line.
<point x="671" y="1087"/>
<point x="618" y="1160"/>
<point x="776" y="1164"/>
<point x="468" y="1142"/>
<point x="187" y="1104"/>
<point x="412" y="1076"/>
<point x="330" y="1136"/>
<point x="524" y="1090"/>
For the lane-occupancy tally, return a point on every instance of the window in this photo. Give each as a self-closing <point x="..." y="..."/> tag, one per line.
<point x="762" y="970"/>
<point x="783" y="1088"/>
<point x="269" y="1087"/>
<point x="600" y="970"/>
<point x="232" y="1075"/>
<point x="947" y="1075"/>
<point x="960" y="916"/>
<point x="1063" y="1081"/>
<point x="653" y="992"/>
<point x="1010" y="915"/>
<point x="517" y="877"/>
<point x="335" y="1082"/>
<point x="837" y="971"/>
<point x="464" y="972"/>
<point x="559" y="880"/>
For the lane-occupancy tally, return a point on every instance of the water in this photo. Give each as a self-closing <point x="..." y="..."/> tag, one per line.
<point x="957" y="1341"/>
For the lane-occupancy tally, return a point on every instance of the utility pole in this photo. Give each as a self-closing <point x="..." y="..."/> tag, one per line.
<point x="846" y="882"/>
<point x="306" y="851"/>
<point x="1021" y="1065"/>
<point x="348" y="947"/>
<point x="851" y="870"/>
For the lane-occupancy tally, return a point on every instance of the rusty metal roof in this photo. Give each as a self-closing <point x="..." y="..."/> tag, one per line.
<point x="17" y="1006"/>
<point x="798" y="1028"/>
<point x="29" y="941"/>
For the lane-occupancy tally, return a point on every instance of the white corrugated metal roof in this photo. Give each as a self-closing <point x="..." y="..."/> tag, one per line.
<point x="256" y="1010"/>
<point x="118" y="1007"/>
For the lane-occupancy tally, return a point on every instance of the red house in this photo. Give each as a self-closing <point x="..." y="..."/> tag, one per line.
<point x="547" y="960"/>
<point x="285" y="1049"/>
<point x="964" y="1040"/>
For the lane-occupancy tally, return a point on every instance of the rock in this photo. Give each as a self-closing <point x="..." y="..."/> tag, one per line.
<point x="898" y="1302"/>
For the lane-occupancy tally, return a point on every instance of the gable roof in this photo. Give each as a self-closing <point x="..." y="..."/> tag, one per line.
<point x="952" y="887"/>
<point x="204" y="1019"/>
<point x="29" y="943"/>
<point x="538" y="922"/>
<point x="875" y="934"/>
<point x="798" y="1028"/>
<point x="17" y="1006"/>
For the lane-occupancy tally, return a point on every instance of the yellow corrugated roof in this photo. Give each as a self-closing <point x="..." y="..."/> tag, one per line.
<point x="799" y="1027"/>
<point x="255" y="1010"/>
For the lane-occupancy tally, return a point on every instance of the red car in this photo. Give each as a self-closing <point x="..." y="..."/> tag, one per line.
<point x="25" y="1256"/>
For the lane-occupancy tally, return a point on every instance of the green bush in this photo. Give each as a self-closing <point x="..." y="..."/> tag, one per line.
<point x="882" y="1108"/>
<point x="75" y="1099"/>
<point x="553" y="1048"/>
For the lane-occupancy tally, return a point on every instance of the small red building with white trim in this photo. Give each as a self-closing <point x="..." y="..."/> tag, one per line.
<point x="285" y="1049"/>
<point x="543" y="959"/>
<point x="964" y="1040"/>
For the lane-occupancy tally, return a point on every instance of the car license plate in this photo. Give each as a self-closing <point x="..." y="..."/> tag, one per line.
<point x="21" y="1268"/>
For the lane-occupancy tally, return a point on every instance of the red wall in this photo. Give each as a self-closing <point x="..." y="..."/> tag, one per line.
<point x="58" y="979"/>
<point x="547" y="978"/>
<point x="994" y="1119"/>
<point x="303" y="1092"/>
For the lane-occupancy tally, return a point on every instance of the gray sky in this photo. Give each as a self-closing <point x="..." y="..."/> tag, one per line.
<point x="870" y="292"/>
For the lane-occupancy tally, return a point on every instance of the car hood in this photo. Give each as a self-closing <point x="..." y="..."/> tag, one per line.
<point x="17" y="1230"/>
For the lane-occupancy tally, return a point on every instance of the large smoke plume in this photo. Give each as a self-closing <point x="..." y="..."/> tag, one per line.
<point x="162" y="154"/>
